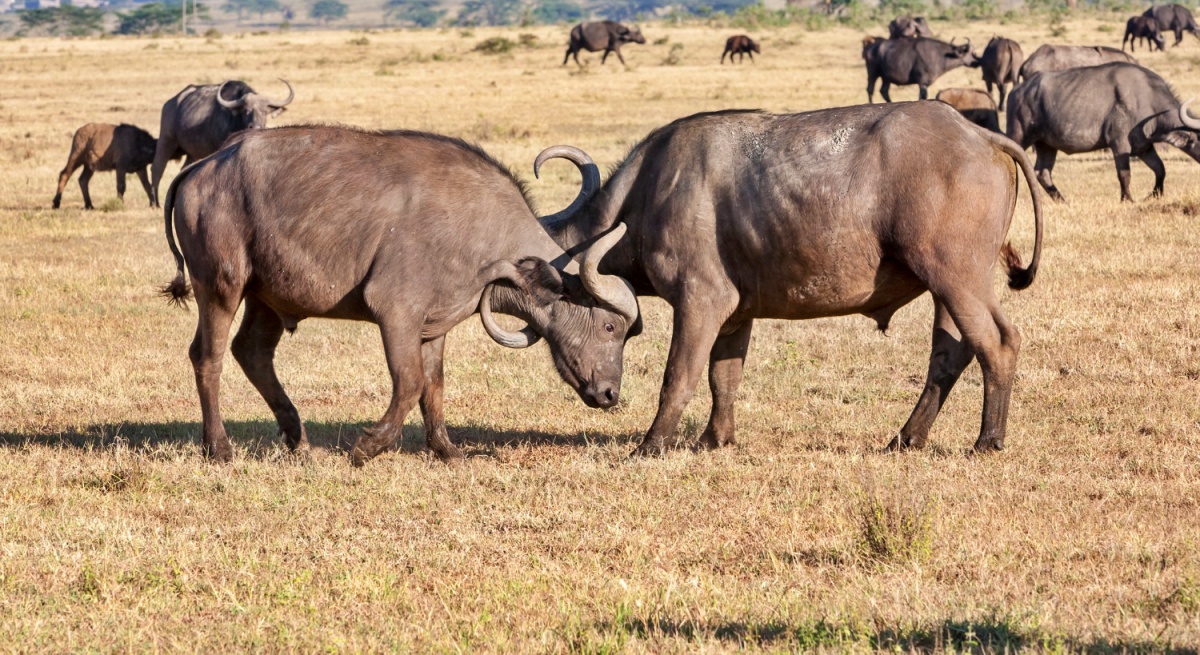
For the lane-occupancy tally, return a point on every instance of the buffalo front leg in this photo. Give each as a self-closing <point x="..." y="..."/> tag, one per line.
<point x="1121" y="158"/>
<point x="604" y="57"/>
<point x="725" y="365"/>
<point x="924" y="92"/>
<point x="948" y="358"/>
<point x="1150" y="158"/>
<point x="1044" y="167"/>
<point x="207" y="354"/>
<point x="84" y="178"/>
<point x="436" y="437"/>
<point x="871" y="88"/>
<point x="162" y="154"/>
<point x="145" y="180"/>
<point x="996" y="343"/>
<point x="885" y="91"/>
<point x="63" y="178"/>
<point x="620" y="57"/>
<point x="1000" y="88"/>
<point x="121" y="184"/>
<point x="254" y="349"/>
<point x="402" y="345"/>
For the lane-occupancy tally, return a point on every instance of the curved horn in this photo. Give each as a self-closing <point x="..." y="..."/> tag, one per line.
<point x="523" y="339"/>
<point x="587" y="170"/>
<point x="1188" y="121"/>
<point x="612" y="290"/>
<point x="968" y="44"/>
<point x="291" y="96"/>
<point x="229" y="104"/>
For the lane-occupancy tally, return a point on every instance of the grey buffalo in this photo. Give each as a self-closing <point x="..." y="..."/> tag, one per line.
<point x="917" y="61"/>
<point x="975" y="105"/>
<point x="909" y="26"/>
<point x="198" y="120"/>
<point x="604" y="35"/>
<point x="105" y="147"/>
<point x="1144" y="28"/>
<point x="739" y="215"/>
<point x="411" y="231"/>
<point x="1062" y="57"/>
<point x="1122" y="107"/>
<point x="1000" y="64"/>
<point x="1174" y="18"/>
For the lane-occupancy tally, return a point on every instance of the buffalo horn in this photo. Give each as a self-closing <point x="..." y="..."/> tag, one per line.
<point x="1188" y="121"/>
<point x="291" y="96"/>
<point x="612" y="290"/>
<point x="229" y="104"/>
<point x="522" y="339"/>
<point x="587" y="170"/>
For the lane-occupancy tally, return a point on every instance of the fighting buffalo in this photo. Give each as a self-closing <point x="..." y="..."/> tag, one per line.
<point x="1144" y="28"/>
<point x="411" y="231"/>
<point x="1062" y="57"/>
<point x="909" y="26"/>
<point x="1000" y="64"/>
<point x="975" y="105"/>
<point x="738" y="215"/>
<point x="1122" y="107"/>
<point x="105" y="147"/>
<point x="198" y="120"/>
<point x="741" y="45"/>
<point x="603" y="35"/>
<point x="1174" y="18"/>
<point x="917" y="61"/>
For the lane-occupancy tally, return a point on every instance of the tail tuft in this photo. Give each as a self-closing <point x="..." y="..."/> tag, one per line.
<point x="177" y="292"/>
<point x="1018" y="278"/>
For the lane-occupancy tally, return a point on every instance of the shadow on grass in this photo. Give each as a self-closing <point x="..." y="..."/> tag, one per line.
<point x="259" y="439"/>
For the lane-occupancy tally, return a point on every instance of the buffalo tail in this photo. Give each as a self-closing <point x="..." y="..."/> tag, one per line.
<point x="1021" y="277"/>
<point x="177" y="291"/>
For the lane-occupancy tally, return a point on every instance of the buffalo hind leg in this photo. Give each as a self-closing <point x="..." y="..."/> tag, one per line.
<point x="1121" y="159"/>
<point x="725" y="365"/>
<point x="436" y="438"/>
<point x="871" y="88"/>
<point x="121" y="184"/>
<point x="254" y="349"/>
<point x="1000" y="88"/>
<point x="924" y="92"/>
<point x="604" y="57"/>
<point x="207" y="354"/>
<point x="1151" y="159"/>
<point x="402" y="346"/>
<point x="884" y="90"/>
<point x="1044" y="167"/>
<point x="145" y="180"/>
<point x="620" y="57"/>
<point x="84" y="178"/>
<point x="949" y="356"/>
<point x="996" y="343"/>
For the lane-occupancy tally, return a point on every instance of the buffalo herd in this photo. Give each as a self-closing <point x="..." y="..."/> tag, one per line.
<point x="728" y="216"/>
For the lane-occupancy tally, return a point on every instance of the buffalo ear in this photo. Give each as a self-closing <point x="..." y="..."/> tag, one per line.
<point x="276" y="111"/>
<point x="539" y="280"/>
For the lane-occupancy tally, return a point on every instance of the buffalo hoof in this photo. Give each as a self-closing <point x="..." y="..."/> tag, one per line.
<point x="899" y="443"/>
<point x="650" y="448"/>
<point x="221" y="453"/>
<point x="57" y="202"/>
<point x="987" y="446"/>
<point x="1056" y="196"/>
<point x="710" y="441"/>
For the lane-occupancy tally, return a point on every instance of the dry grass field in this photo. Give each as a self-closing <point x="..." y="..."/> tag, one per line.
<point x="116" y="535"/>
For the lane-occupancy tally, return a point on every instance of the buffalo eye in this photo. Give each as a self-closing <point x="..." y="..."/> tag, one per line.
<point x="608" y="327"/>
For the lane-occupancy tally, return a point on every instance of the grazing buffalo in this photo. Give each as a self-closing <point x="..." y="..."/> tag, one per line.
<point x="1122" y="107"/>
<point x="909" y="26"/>
<point x="196" y="122"/>
<point x="104" y="147"/>
<point x="1061" y="57"/>
<point x="739" y="215"/>
<point x="976" y="105"/>
<point x="1000" y="64"/>
<point x="1174" y="18"/>
<point x="740" y="45"/>
<point x="414" y="232"/>
<point x="604" y="35"/>
<point x="1145" y="28"/>
<point x="917" y="61"/>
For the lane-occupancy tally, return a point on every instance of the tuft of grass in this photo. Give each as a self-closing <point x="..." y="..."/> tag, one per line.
<point x="359" y="41"/>
<point x="527" y="40"/>
<point x="675" y="56"/>
<point x="111" y="205"/>
<point x="495" y="46"/>
<point x="121" y="478"/>
<point x="894" y="526"/>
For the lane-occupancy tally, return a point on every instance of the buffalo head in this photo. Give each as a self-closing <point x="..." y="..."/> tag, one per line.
<point x="252" y="108"/>
<point x="630" y="34"/>
<point x="964" y="53"/>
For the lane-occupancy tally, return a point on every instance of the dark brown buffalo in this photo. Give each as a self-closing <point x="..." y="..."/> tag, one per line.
<point x="1122" y="107"/>
<point x="976" y="105"/>
<point x="917" y="61"/>
<point x="739" y="215"/>
<point x="909" y="26"/>
<point x="1145" y="28"/>
<point x="198" y="120"/>
<point x="411" y="231"/>
<point x="1174" y="18"/>
<point x="1000" y="64"/>
<point x="604" y="35"/>
<point x="105" y="147"/>
<point x="740" y="45"/>
<point x="1062" y="57"/>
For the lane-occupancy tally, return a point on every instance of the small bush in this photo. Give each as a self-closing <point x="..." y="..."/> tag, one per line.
<point x="497" y="45"/>
<point x="527" y="40"/>
<point x="362" y="40"/>
<point x="675" y="56"/>
<point x="662" y="41"/>
<point x="212" y="33"/>
<point x="896" y="529"/>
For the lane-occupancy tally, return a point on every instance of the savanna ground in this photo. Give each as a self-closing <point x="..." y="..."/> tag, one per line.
<point x="115" y="534"/>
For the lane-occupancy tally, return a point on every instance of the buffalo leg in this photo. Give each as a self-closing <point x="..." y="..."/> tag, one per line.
<point x="73" y="164"/>
<point x="871" y="88"/>
<point x="725" y="365"/>
<point x="723" y="57"/>
<point x="988" y="84"/>
<point x="145" y="180"/>
<point x="207" y="354"/>
<point x="1000" y="88"/>
<point x="162" y="154"/>
<point x="1044" y="167"/>
<point x="84" y="178"/>
<point x="1121" y="159"/>
<point x="402" y="346"/>
<point x="567" y="56"/>
<point x="620" y="57"/>
<point x="996" y="343"/>
<point x="254" y="349"/>
<point x="924" y="92"/>
<point x="948" y="358"/>
<point x="604" y="57"/>
<point x="751" y="57"/>
<point x="121" y="184"/>
<point x="436" y="438"/>
<point x="1151" y="159"/>
<point x="884" y="89"/>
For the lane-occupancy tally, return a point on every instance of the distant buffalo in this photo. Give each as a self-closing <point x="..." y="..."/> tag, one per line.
<point x="603" y="35"/>
<point x="1000" y="64"/>
<point x="1145" y="28"/>
<point x="196" y="122"/>
<point x="1174" y="18"/>
<point x="1061" y="57"/>
<point x="909" y="26"/>
<point x="104" y="147"/>
<point x="917" y="61"/>
<point x="976" y="105"/>
<point x="740" y="45"/>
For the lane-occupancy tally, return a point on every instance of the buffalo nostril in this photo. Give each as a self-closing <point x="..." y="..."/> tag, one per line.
<point x="610" y="395"/>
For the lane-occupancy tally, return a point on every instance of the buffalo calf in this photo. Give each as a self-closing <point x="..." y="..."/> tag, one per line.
<point x="104" y="147"/>
<point x="1144" y="28"/>
<point x="976" y="105"/>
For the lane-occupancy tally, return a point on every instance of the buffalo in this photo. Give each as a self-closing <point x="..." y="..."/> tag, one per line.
<point x="976" y="105"/>
<point x="909" y="26"/>
<point x="1119" y="106"/>
<point x="917" y="61"/>
<point x="198" y="120"/>
<point x="1000" y="63"/>
<point x="738" y="215"/>
<point x="604" y="35"/>
<point x="740" y="45"/>
<point x="1145" y="28"/>
<point x="105" y="147"/>
<point x="1174" y="18"/>
<point x="1061" y="57"/>
<point x="414" y="232"/>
